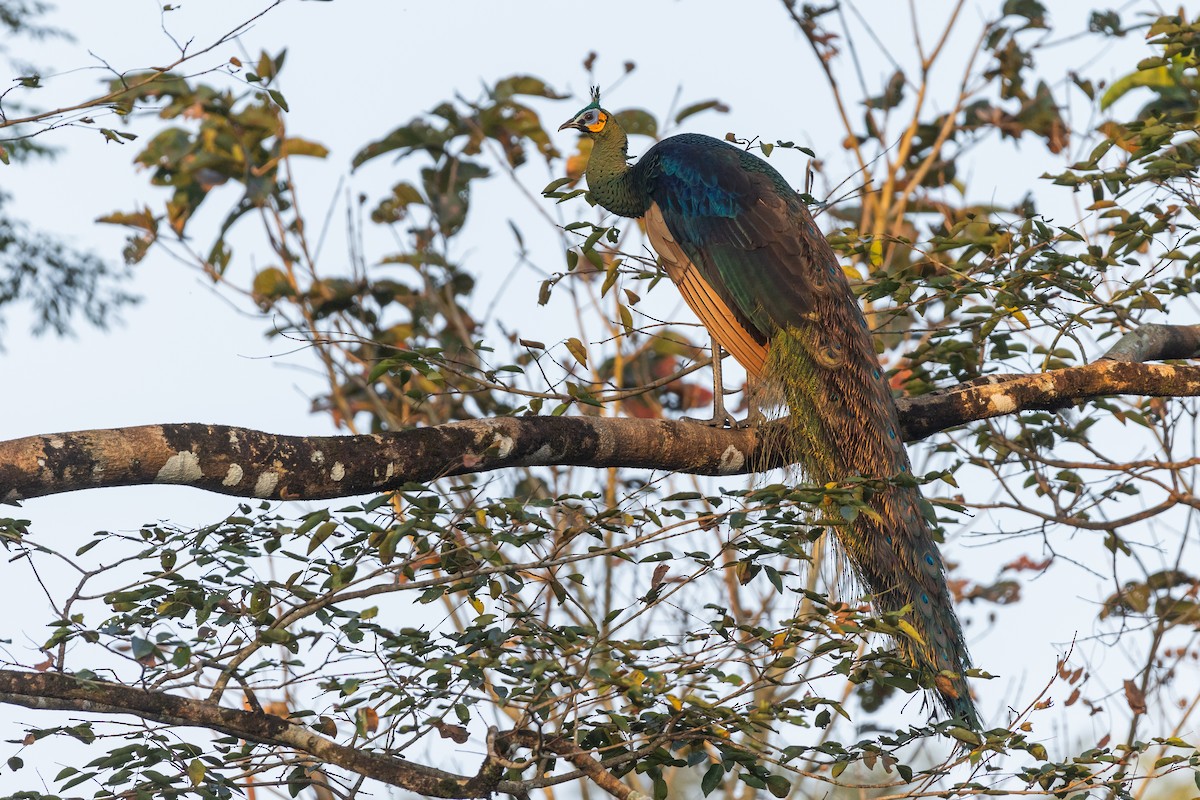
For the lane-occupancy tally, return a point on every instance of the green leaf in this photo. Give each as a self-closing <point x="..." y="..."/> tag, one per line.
<point x="87" y="547"/>
<point x="696" y="108"/>
<point x="278" y="98"/>
<point x="270" y="284"/>
<point x="82" y="777"/>
<point x="965" y="735"/>
<point x="779" y="786"/>
<point x="524" y="84"/>
<point x="1154" y="77"/>
<point x="553" y="186"/>
<point x="311" y="521"/>
<point x="712" y="779"/>
<point x="637" y="121"/>
<point x="321" y="535"/>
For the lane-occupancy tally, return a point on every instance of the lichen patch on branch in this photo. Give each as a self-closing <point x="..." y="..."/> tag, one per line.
<point x="732" y="461"/>
<point x="1004" y="404"/>
<point x="183" y="467"/>
<point x="233" y="476"/>
<point x="266" y="484"/>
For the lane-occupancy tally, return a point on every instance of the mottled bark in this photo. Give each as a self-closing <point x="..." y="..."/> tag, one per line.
<point x="249" y="463"/>
<point x="59" y="692"/>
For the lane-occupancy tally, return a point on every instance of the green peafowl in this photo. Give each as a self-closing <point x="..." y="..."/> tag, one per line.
<point x="750" y="262"/>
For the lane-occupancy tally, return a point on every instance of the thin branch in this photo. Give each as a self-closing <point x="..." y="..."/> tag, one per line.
<point x="154" y="74"/>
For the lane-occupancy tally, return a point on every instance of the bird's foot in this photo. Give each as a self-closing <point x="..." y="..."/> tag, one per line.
<point x="715" y="421"/>
<point x="723" y="419"/>
<point x="754" y="419"/>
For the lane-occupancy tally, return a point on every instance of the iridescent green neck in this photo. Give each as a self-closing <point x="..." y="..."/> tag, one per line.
<point x="609" y="176"/>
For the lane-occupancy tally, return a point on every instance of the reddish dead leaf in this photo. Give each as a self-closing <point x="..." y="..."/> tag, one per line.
<point x="1025" y="563"/>
<point x="694" y="395"/>
<point x="456" y="732"/>
<point x="194" y="111"/>
<point x="277" y="709"/>
<point x="1135" y="697"/>
<point x="901" y="377"/>
<point x="945" y="686"/>
<point x="660" y="572"/>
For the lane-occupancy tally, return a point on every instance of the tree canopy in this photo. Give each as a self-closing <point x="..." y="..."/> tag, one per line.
<point x="535" y="578"/>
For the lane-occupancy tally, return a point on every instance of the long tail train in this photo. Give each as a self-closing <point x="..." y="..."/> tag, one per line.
<point x="843" y="423"/>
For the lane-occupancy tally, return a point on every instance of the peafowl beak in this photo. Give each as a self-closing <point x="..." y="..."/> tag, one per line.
<point x="571" y="123"/>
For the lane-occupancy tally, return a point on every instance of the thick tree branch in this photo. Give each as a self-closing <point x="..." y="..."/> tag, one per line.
<point x="1157" y="343"/>
<point x="248" y="463"/>
<point x="59" y="692"/>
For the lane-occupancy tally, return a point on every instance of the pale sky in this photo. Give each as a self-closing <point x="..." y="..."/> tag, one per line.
<point x="355" y="70"/>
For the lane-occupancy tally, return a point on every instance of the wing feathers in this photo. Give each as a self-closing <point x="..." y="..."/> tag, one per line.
<point x="744" y="343"/>
<point x="747" y="233"/>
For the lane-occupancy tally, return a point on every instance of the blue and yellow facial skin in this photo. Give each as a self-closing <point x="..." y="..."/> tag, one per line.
<point x="591" y="119"/>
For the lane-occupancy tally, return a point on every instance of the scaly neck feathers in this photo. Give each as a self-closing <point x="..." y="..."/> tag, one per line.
<point x="610" y="178"/>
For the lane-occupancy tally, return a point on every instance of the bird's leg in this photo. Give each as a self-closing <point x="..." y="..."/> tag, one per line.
<point x="720" y="417"/>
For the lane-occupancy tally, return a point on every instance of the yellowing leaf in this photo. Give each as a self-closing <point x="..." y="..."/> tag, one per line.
<point x="1019" y="315"/>
<point x="626" y="319"/>
<point x="303" y="147"/>
<point x="578" y="350"/>
<point x="367" y="720"/>
<point x="910" y="631"/>
<point x="322" y="533"/>
<point x="196" y="770"/>
<point x="876" y="252"/>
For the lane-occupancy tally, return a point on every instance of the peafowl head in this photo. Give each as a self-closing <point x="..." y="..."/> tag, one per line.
<point x="592" y="120"/>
